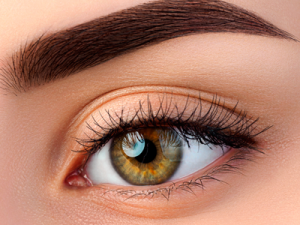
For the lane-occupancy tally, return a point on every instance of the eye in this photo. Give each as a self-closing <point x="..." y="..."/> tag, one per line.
<point x="149" y="157"/>
<point x="158" y="139"/>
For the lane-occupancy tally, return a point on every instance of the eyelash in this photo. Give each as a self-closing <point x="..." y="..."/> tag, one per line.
<point x="211" y="128"/>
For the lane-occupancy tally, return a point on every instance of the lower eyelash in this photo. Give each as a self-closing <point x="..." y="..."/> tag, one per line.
<point x="232" y="165"/>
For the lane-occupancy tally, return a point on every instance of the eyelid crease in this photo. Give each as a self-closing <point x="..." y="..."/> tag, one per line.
<point x="88" y="109"/>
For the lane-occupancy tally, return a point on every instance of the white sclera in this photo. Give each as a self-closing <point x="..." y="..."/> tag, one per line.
<point x="99" y="168"/>
<point x="197" y="157"/>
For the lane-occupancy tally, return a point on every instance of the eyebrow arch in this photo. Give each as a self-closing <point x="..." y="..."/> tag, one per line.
<point x="58" y="55"/>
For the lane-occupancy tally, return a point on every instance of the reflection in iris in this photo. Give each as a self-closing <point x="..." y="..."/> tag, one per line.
<point x="147" y="156"/>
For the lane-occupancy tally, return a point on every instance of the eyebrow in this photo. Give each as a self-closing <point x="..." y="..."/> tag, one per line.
<point x="61" y="54"/>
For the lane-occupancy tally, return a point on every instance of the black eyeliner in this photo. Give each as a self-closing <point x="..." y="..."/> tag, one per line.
<point x="218" y="126"/>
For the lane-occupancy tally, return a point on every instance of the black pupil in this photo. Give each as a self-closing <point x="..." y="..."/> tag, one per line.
<point x="148" y="154"/>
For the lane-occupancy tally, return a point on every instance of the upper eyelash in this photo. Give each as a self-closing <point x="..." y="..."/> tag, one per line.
<point x="239" y="133"/>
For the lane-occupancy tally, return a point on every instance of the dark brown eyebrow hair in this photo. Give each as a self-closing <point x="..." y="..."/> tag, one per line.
<point x="58" y="55"/>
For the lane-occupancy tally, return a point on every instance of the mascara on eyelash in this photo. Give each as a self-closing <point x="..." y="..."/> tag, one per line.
<point x="218" y="126"/>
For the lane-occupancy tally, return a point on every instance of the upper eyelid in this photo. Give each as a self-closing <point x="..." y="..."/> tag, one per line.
<point x="98" y="102"/>
<point x="103" y="132"/>
<point x="77" y="127"/>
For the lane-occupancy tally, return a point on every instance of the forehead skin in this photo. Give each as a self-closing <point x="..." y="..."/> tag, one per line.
<point x="22" y="21"/>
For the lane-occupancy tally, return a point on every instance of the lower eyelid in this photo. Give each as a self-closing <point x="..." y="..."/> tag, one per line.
<point x="193" y="184"/>
<point x="184" y="198"/>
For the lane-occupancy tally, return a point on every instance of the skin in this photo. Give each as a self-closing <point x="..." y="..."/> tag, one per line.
<point x="262" y="73"/>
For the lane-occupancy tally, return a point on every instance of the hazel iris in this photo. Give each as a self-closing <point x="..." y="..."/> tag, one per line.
<point x="147" y="156"/>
